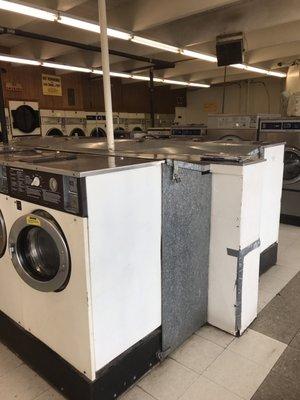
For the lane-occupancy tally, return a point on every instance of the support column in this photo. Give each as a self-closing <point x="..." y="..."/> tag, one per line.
<point x="106" y="75"/>
<point x="152" y="111"/>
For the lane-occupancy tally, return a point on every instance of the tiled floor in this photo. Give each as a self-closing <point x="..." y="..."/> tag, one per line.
<point x="212" y="365"/>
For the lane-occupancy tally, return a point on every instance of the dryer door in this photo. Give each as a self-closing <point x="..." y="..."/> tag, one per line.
<point x="26" y="119"/>
<point x="39" y="252"/>
<point x="3" y="235"/>
<point x="291" y="172"/>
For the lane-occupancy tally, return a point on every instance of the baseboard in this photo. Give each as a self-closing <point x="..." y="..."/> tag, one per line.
<point x="290" y="219"/>
<point x="111" y="381"/>
<point x="268" y="258"/>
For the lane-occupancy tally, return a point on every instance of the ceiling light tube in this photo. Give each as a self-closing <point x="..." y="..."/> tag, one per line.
<point x="200" y="85"/>
<point x="66" y="67"/>
<point x="18" y="60"/>
<point x="114" y="33"/>
<point x="119" y="75"/>
<point x="78" y="23"/>
<point x="155" y="44"/>
<point x="259" y="70"/>
<point x="140" y="77"/>
<point x="31" y="11"/>
<point x="172" y="82"/>
<point x="200" y="56"/>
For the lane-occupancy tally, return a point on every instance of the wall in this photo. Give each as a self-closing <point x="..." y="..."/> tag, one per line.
<point x="264" y="96"/>
<point x="128" y="97"/>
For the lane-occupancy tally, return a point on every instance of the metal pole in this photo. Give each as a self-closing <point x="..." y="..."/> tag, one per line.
<point x="106" y="75"/>
<point x="2" y="111"/>
<point x="152" y="111"/>
<point x="224" y="90"/>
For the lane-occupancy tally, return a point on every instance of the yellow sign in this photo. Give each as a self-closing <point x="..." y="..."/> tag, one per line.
<point x="33" y="221"/>
<point x="51" y="85"/>
<point x="210" y="108"/>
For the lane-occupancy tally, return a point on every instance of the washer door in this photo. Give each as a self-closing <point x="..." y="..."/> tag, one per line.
<point x="231" y="138"/>
<point x="54" y="132"/>
<point x="291" y="172"/>
<point x="26" y="119"/>
<point x="98" y="132"/>
<point x="77" y="132"/>
<point x="3" y="235"/>
<point x="39" y="252"/>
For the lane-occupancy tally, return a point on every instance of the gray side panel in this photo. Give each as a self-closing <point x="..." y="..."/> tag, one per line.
<point x="185" y="254"/>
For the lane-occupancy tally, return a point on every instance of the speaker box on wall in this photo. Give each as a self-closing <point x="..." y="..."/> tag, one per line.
<point x="230" y="50"/>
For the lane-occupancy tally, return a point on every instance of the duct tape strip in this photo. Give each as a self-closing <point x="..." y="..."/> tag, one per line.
<point x="240" y="255"/>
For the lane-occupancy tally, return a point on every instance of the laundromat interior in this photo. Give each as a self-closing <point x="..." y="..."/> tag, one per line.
<point x="150" y="200"/>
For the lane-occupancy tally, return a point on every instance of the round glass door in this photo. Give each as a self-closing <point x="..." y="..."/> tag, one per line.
<point x="39" y="252"/>
<point x="291" y="166"/>
<point x="3" y="236"/>
<point x="231" y="138"/>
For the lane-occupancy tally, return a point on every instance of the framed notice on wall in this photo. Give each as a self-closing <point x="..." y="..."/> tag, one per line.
<point x="51" y="85"/>
<point x="210" y="108"/>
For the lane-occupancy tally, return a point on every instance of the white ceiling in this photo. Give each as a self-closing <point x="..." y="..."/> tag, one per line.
<point x="271" y="28"/>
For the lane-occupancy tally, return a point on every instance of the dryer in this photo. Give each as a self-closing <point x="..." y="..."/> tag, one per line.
<point x="135" y="122"/>
<point x="287" y="130"/>
<point x="231" y="127"/>
<point x="52" y="122"/>
<point x="96" y="124"/>
<point x="24" y="118"/>
<point x="90" y="268"/>
<point x="75" y="123"/>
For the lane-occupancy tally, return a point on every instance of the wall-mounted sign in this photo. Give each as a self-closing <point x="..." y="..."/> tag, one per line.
<point x="51" y="85"/>
<point x="210" y="108"/>
<point x="13" y="87"/>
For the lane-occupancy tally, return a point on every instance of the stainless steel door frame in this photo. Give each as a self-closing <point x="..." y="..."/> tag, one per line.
<point x="293" y="180"/>
<point x="22" y="226"/>
<point x="3" y="235"/>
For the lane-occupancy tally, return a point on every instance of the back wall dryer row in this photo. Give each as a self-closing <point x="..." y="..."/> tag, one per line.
<point x="53" y="122"/>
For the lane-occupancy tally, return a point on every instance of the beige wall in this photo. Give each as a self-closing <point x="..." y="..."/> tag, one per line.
<point x="259" y="99"/>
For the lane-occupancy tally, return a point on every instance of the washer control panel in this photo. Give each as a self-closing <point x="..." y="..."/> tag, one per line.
<point x="64" y="193"/>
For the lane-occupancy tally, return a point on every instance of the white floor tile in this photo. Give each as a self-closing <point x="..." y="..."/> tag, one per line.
<point x="50" y="394"/>
<point x="290" y="257"/>
<point x="136" y="393"/>
<point x="8" y="360"/>
<point x="197" y="353"/>
<point x="169" y="381"/>
<point x="276" y="278"/>
<point x="204" y="389"/>
<point x="215" y="335"/>
<point x="264" y="298"/>
<point x="237" y="374"/>
<point x="258" y="348"/>
<point x="22" y="383"/>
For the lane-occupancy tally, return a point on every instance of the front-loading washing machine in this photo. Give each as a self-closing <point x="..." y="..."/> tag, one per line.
<point x="52" y="122"/>
<point x="24" y="118"/>
<point x="75" y="123"/>
<point x="90" y="268"/>
<point x="287" y="130"/>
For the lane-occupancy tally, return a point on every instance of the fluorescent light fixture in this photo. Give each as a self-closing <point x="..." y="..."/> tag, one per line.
<point x="114" y="33"/>
<point x="172" y="82"/>
<point x="259" y="70"/>
<point x="97" y="71"/>
<point x="66" y="67"/>
<point x="18" y="60"/>
<point x="31" y="11"/>
<point x="140" y="77"/>
<point x="120" y="75"/>
<point x="200" y="85"/>
<point x="78" y="23"/>
<point x="155" y="44"/>
<point x="92" y="27"/>
<point x="200" y="56"/>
